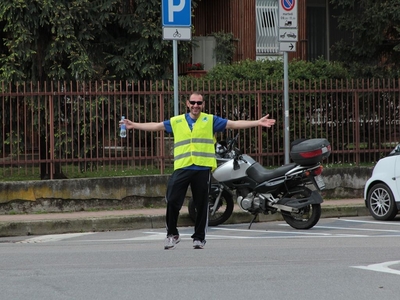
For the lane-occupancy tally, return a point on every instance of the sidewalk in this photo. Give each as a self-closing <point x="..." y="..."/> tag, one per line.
<point x="84" y="221"/>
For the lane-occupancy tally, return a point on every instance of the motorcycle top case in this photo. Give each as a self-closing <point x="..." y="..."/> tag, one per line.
<point x="309" y="152"/>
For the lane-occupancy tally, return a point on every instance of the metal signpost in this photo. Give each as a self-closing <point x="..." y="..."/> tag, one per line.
<point x="288" y="36"/>
<point x="177" y="23"/>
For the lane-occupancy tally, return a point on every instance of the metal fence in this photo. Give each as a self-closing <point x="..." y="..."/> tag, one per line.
<point x="66" y="128"/>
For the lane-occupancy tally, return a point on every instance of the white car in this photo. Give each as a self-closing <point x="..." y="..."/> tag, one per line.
<point x="382" y="190"/>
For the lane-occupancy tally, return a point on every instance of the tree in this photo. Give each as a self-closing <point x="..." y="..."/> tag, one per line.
<point x="374" y="26"/>
<point x="83" y="39"/>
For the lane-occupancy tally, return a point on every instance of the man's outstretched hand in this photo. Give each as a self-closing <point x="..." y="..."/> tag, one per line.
<point x="266" y="122"/>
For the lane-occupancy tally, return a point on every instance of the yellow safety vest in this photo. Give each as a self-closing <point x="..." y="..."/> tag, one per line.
<point x="194" y="147"/>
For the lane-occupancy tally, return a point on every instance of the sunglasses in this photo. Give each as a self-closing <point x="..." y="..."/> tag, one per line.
<point x="196" y="102"/>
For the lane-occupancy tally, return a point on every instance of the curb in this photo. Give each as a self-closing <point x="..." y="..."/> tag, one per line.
<point x="132" y="222"/>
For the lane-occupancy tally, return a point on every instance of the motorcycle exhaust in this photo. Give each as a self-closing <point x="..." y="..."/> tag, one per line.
<point x="292" y="204"/>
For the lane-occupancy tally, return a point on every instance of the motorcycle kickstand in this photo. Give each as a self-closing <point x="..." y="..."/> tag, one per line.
<point x="252" y="220"/>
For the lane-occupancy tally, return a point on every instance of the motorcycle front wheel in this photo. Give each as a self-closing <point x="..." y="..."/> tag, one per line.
<point x="307" y="217"/>
<point x="222" y="213"/>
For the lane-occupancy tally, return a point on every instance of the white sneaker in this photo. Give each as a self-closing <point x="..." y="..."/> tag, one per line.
<point x="171" y="241"/>
<point x="198" y="244"/>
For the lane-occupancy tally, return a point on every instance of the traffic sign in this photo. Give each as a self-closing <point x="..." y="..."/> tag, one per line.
<point x="287" y="46"/>
<point x="176" y="23"/>
<point x="288" y="13"/>
<point x="177" y="33"/>
<point x="288" y="34"/>
<point x="177" y="13"/>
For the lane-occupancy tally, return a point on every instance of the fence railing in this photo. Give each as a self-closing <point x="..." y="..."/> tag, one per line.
<point x="65" y="128"/>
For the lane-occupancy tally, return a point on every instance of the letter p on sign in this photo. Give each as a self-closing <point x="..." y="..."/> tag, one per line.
<point x="177" y="13"/>
<point x="174" y="8"/>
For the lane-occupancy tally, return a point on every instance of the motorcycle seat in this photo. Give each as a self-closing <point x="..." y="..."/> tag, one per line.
<point x="259" y="174"/>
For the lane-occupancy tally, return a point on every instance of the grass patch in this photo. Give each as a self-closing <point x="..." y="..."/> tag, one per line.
<point x="73" y="172"/>
<point x="347" y="165"/>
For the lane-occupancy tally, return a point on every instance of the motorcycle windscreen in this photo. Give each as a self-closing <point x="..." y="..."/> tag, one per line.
<point x="231" y="171"/>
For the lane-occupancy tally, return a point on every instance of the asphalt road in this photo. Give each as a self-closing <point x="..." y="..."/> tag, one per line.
<point x="340" y="258"/>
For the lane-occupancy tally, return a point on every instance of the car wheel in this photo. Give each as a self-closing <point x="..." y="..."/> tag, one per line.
<point x="381" y="202"/>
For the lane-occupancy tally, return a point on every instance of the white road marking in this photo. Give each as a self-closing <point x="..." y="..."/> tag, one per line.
<point x="273" y="231"/>
<point x="53" y="237"/>
<point x="368" y="222"/>
<point x="382" y="267"/>
<point x="358" y="229"/>
<point x="153" y="236"/>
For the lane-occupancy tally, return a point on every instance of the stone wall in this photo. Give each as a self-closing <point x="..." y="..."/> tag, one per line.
<point x="345" y="182"/>
<point x="134" y="192"/>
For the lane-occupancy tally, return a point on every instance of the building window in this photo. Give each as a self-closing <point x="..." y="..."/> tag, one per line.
<point x="267" y="28"/>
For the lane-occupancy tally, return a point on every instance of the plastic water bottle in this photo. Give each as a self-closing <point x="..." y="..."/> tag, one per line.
<point x="122" y="132"/>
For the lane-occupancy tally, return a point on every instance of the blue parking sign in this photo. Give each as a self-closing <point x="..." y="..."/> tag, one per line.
<point x="177" y="13"/>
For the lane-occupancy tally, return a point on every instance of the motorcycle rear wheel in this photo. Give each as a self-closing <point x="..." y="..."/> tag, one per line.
<point x="307" y="217"/>
<point x="223" y="212"/>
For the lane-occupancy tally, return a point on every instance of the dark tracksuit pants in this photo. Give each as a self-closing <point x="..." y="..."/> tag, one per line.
<point x="199" y="181"/>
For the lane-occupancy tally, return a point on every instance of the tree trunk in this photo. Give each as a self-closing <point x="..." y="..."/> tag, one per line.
<point x="45" y="167"/>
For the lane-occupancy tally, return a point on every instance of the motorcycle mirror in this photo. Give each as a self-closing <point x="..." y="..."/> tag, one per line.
<point x="236" y="165"/>
<point x="237" y="152"/>
<point x="235" y="139"/>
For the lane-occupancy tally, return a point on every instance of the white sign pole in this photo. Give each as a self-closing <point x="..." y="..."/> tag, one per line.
<point x="176" y="85"/>
<point x="288" y="36"/>
<point x="286" y="105"/>
<point x="177" y="22"/>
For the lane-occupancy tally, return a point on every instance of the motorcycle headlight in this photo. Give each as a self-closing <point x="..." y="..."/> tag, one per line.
<point x="220" y="149"/>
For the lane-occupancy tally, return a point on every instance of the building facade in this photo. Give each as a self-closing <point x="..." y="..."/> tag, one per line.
<point x="254" y="25"/>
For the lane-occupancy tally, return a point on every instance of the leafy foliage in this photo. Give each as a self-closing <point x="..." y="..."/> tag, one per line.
<point x="46" y="41"/>
<point x="267" y="70"/>
<point x="225" y="48"/>
<point x="83" y="40"/>
<point x="375" y="31"/>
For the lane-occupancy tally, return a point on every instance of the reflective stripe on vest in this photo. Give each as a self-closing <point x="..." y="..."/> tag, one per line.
<point x="196" y="146"/>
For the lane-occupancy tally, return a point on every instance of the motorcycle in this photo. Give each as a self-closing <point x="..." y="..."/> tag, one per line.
<point x="259" y="190"/>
